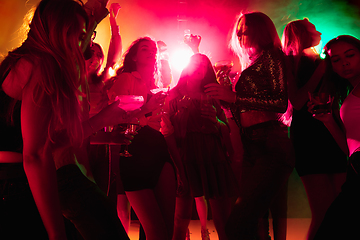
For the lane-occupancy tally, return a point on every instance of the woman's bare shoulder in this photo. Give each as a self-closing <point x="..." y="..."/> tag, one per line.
<point x="18" y="77"/>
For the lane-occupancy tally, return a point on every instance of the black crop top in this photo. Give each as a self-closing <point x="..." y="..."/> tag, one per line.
<point x="10" y="128"/>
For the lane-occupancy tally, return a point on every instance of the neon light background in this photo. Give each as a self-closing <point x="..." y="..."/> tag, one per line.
<point x="166" y="20"/>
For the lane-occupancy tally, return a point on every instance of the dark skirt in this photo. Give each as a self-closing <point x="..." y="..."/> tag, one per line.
<point x="207" y="167"/>
<point x="316" y="151"/>
<point x="149" y="154"/>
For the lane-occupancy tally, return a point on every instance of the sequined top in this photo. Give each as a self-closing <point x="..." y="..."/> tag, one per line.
<point x="262" y="86"/>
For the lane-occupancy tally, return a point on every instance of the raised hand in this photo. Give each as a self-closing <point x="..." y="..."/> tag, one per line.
<point x="114" y="9"/>
<point x="193" y="41"/>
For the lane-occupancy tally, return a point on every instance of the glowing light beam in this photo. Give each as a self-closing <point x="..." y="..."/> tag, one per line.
<point x="180" y="58"/>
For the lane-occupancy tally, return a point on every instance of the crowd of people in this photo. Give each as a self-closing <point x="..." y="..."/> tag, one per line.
<point x="64" y="124"/>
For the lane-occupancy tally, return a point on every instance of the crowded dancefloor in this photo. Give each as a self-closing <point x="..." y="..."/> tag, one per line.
<point x="179" y="120"/>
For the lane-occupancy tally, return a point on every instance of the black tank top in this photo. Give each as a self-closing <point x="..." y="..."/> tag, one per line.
<point x="10" y="128"/>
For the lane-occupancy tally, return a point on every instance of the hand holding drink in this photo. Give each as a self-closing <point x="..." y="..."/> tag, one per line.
<point x="320" y="103"/>
<point x="222" y="70"/>
<point x="130" y="103"/>
<point x="160" y="95"/>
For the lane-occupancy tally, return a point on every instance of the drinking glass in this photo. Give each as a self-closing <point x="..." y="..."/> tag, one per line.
<point x="222" y="69"/>
<point x="131" y="128"/>
<point x="164" y="91"/>
<point x="322" y="102"/>
<point x="129" y="103"/>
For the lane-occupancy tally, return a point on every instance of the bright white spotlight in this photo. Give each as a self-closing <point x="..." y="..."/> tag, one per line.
<point x="180" y="58"/>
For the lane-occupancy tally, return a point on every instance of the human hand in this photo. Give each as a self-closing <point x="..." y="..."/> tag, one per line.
<point x="114" y="9"/>
<point x="155" y="119"/>
<point x="108" y="84"/>
<point x="320" y="102"/>
<point x="217" y="91"/>
<point x="324" y="117"/>
<point x="320" y="107"/>
<point x="182" y="185"/>
<point x="209" y="111"/>
<point x="119" y="137"/>
<point x="155" y="102"/>
<point x="114" y="115"/>
<point x="222" y="69"/>
<point x="223" y="78"/>
<point x="193" y="41"/>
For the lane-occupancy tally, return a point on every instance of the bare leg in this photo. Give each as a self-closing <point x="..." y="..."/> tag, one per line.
<point x="278" y="211"/>
<point x="165" y="193"/>
<point x="320" y="190"/>
<point x="154" y="208"/>
<point x="183" y="213"/>
<point x="202" y="210"/>
<point x="220" y="208"/>
<point x="263" y="228"/>
<point x="123" y="210"/>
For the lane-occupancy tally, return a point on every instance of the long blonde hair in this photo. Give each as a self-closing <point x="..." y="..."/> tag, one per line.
<point x="261" y="33"/>
<point x="295" y="39"/>
<point x="53" y="43"/>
